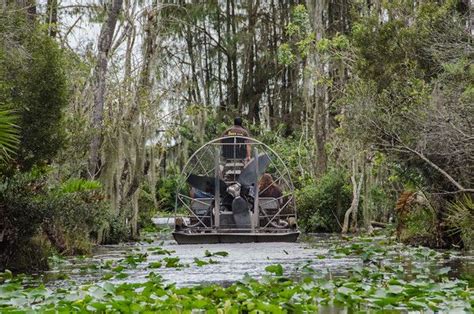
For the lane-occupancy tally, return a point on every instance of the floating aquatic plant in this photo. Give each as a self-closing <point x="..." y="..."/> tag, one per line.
<point x="390" y="277"/>
<point x="207" y="253"/>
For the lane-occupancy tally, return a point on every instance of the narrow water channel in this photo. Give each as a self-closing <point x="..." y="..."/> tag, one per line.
<point x="243" y="259"/>
<point x="321" y="273"/>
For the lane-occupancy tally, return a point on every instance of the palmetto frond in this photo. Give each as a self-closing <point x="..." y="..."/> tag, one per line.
<point x="460" y="215"/>
<point x="9" y="134"/>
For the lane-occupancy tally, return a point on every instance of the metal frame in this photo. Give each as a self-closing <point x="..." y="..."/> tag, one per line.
<point x="207" y="160"/>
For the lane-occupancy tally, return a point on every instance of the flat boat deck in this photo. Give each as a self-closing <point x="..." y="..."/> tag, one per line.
<point x="227" y="237"/>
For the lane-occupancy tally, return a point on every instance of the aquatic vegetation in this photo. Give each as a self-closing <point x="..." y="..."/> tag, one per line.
<point x="173" y="262"/>
<point x="219" y="253"/>
<point x="160" y="251"/>
<point x="200" y="262"/>
<point x="389" y="276"/>
<point x="276" y="294"/>
<point x="275" y="269"/>
<point x="134" y="259"/>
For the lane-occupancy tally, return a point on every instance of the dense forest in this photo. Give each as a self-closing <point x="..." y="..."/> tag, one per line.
<point x="370" y="104"/>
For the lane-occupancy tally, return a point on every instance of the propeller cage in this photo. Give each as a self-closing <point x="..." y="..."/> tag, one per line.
<point x="219" y="191"/>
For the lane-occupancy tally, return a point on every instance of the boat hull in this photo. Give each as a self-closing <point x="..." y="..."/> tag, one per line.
<point x="210" y="238"/>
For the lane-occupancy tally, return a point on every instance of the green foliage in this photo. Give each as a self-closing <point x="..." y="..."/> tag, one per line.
<point x="321" y="206"/>
<point x="275" y="269"/>
<point x="218" y="253"/>
<point x="22" y="214"/>
<point x="381" y="202"/>
<point x="382" y="277"/>
<point x="79" y="185"/>
<point x="9" y="138"/>
<point x="160" y="251"/>
<point x="172" y="262"/>
<point x="410" y="93"/>
<point x="41" y="102"/>
<point x="285" y="55"/>
<point x="214" y="127"/>
<point x="166" y="192"/>
<point x="77" y="219"/>
<point x="71" y="219"/>
<point x="146" y="203"/>
<point x="33" y="84"/>
<point x="132" y="260"/>
<point x="296" y="153"/>
<point x="200" y="262"/>
<point x="302" y="40"/>
<point x="299" y="20"/>
<point x="420" y="226"/>
<point x="116" y="230"/>
<point x="460" y="217"/>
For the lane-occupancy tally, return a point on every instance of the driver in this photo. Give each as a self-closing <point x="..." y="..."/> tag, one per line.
<point x="238" y="130"/>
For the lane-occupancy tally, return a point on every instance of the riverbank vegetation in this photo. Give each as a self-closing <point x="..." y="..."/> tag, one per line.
<point x="370" y="104"/>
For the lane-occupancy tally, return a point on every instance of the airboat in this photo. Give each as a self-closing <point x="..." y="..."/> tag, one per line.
<point x="220" y="197"/>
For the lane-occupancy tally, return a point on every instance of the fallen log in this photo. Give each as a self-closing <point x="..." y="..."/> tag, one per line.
<point x="379" y="224"/>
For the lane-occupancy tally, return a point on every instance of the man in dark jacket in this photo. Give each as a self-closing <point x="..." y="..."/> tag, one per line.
<point x="238" y="130"/>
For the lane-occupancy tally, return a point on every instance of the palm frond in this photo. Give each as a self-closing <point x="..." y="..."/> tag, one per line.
<point x="460" y="215"/>
<point x="9" y="134"/>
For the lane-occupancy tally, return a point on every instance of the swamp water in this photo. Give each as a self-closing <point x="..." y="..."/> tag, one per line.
<point x="234" y="261"/>
<point x="324" y="274"/>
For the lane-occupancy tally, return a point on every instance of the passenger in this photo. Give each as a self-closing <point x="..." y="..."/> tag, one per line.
<point x="238" y="152"/>
<point x="268" y="188"/>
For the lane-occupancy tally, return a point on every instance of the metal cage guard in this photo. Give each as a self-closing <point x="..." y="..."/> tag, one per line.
<point x="224" y="158"/>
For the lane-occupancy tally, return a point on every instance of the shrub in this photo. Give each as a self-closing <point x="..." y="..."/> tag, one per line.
<point x="22" y="215"/>
<point x="75" y="219"/>
<point x="117" y="231"/>
<point x="420" y="226"/>
<point x="460" y="218"/>
<point x="32" y="208"/>
<point x="321" y="206"/>
<point x="79" y="185"/>
<point x="147" y="209"/>
<point x="296" y="154"/>
<point x="166" y="192"/>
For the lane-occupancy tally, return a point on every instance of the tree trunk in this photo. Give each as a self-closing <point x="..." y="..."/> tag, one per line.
<point x="222" y="103"/>
<point x="52" y="6"/>
<point x="136" y="127"/>
<point x="195" y="91"/>
<point x="471" y="17"/>
<point x="368" y="202"/>
<point x="100" y="74"/>
<point x="356" y="188"/>
<point x="316" y="9"/>
<point x="235" y="74"/>
<point x="248" y="97"/>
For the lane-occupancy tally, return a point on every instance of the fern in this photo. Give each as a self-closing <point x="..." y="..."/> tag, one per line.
<point x="79" y="185"/>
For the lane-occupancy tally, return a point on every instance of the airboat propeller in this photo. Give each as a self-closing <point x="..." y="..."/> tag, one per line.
<point x="205" y="184"/>
<point x="239" y="190"/>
